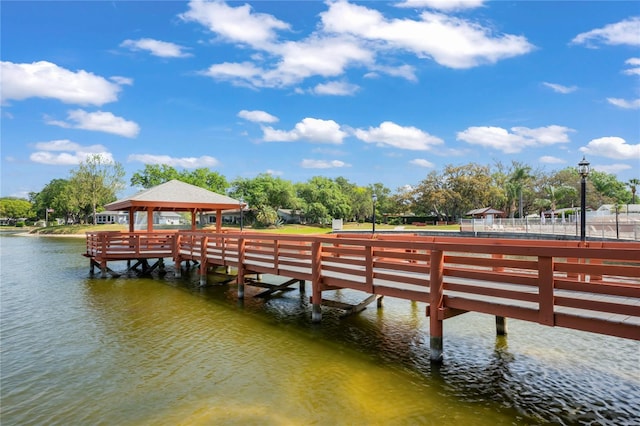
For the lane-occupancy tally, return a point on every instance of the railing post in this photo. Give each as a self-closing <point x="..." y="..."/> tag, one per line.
<point x="177" y="260"/>
<point x="436" y="300"/>
<point x="241" y="268"/>
<point x="501" y="322"/>
<point x="316" y="290"/>
<point x="103" y="253"/>
<point x="368" y="256"/>
<point x="203" y="260"/>
<point x="545" y="291"/>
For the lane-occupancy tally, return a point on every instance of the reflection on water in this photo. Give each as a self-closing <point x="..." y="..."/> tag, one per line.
<point x="131" y="350"/>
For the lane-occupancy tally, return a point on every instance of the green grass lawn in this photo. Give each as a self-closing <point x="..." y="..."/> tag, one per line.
<point x="286" y="229"/>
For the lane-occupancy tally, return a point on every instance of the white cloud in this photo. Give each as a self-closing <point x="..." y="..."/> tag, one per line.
<point x="612" y="147"/>
<point x="350" y="36"/>
<point x="64" y="152"/>
<point x="407" y="72"/>
<point x="623" y="32"/>
<point x="309" y="129"/>
<point x="635" y="66"/>
<point x="47" y="80"/>
<point x="336" y="88"/>
<point x="442" y="4"/>
<point x="257" y="116"/>
<point x="122" y="81"/>
<point x="241" y="74"/>
<point x="235" y="24"/>
<point x="159" y="48"/>
<point x="467" y="44"/>
<point x="516" y="140"/>
<point x="323" y="56"/>
<point x="612" y="168"/>
<point x="98" y="121"/>
<point x="185" y="162"/>
<point x="559" y="88"/>
<point x="322" y="164"/>
<point x="625" y="104"/>
<point x="548" y="159"/>
<point x="421" y="162"/>
<point x="393" y="135"/>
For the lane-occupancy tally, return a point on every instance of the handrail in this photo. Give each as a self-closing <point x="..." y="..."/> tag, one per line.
<point x="592" y="286"/>
<point x="549" y="282"/>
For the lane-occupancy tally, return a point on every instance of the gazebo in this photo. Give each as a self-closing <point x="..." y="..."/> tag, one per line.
<point x="175" y="196"/>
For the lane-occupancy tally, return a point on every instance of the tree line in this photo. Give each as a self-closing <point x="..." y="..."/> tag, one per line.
<point x="447" y="194"/>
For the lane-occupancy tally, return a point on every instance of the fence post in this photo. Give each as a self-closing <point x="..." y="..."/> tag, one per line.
<point x="436" y="299"/>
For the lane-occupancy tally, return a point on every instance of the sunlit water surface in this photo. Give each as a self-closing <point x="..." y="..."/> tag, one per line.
<point x="81" y="350"/>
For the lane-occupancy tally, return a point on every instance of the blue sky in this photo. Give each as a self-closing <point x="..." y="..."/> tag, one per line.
<point x="371" y="91"/>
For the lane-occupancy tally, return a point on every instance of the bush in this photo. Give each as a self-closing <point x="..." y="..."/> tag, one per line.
<point x="20" y="224"/>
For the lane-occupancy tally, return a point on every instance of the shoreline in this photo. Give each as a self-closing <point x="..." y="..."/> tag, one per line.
<point x="37" y="234"/>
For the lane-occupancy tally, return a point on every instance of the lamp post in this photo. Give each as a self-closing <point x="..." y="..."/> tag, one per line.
<point x="583" y="169"/>
<point x="374" y="198"/>
<point x="241" y="213"/>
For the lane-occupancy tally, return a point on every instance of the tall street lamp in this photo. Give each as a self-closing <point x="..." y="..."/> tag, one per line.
<point x="374" y="198"/>
<point x="583" y="169"/>
<point x="241" y="213"/>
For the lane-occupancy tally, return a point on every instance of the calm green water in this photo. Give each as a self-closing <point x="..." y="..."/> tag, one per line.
<point x="77" y="350"/>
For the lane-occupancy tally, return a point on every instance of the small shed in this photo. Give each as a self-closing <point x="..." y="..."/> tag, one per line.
<point x="487" y="213"/>
<point x="175" y="196"/>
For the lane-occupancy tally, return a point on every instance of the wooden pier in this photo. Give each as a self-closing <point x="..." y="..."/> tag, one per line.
<point x="593" y="286"/>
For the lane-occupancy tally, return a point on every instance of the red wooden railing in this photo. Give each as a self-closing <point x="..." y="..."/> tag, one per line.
<point x="592" y="286"/>
<point x="106" y="246"/>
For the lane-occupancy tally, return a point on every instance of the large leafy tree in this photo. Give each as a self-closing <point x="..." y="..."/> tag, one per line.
<point x="205" y="178"/>
<point x="15" y="208"/>
<point x="265" y="190"/>
<point x="323" y="200"/>
<point x="455" y="191"/>
<point x="361" y="198"/>
<point x="609" y="189"/>
<point x="154" y="175"/>
<point x="56" y="195"/>
<point x="95" y="182"/>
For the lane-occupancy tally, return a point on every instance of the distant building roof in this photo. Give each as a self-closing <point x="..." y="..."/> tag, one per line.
<point x="175" y="196"/>
<point x="484" y="211"/>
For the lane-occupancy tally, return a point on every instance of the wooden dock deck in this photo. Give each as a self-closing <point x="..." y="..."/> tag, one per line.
<point x="592" y="287"/>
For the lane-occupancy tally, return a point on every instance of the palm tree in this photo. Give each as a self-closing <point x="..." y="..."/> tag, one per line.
<point x="518" y="178"/>
<point x="632" y="184"/>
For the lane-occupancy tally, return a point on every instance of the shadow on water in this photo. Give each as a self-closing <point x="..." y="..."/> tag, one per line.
<point x="530" y="389"/>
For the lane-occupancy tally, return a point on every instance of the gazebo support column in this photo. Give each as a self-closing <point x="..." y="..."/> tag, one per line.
<point x="218" y="220"/>
<point x="132" y="215"/>
<point x="193" y="219"/>
<point x="150" y="219"/>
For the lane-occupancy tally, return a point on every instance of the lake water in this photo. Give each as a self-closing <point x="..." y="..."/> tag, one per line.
<point x="81" y="350"/>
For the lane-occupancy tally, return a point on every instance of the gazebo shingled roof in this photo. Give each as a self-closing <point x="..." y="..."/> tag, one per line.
<point x="174" y="195"/>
